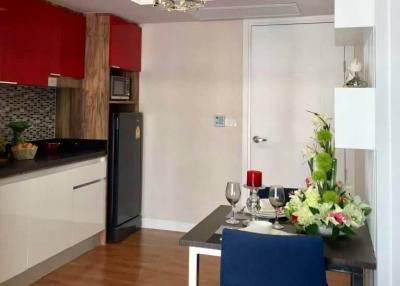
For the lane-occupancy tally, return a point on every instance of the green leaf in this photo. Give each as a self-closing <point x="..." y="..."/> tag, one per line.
<point x="367" y="211"/>
<point x="312" y="229"/>
<point x="314" y="211"/>
<point x="347" y="230"/>
<point x="335" y="233"/>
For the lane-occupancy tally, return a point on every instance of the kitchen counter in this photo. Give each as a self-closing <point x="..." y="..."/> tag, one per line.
<point x="70" y="152"/>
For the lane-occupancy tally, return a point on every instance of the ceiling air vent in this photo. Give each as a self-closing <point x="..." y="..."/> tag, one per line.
<point x="250" y="11"/>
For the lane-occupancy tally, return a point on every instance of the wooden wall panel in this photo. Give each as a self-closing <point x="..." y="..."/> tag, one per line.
<point x="93" y="120"/>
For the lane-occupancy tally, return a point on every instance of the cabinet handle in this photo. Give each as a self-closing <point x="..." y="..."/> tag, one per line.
<point x="87" y="184"/>
<point x="8" y="82"/>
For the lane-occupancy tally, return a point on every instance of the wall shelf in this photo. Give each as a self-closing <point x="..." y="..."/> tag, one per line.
<point x="355" y="118"/>
<point x="354" y="21"/>
<point x="356" y="36"/>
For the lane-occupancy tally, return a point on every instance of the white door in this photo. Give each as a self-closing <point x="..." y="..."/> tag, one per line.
<point x="293" y="68"/>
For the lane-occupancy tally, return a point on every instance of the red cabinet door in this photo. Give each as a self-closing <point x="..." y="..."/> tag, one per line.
<point x="36" y="40"/>
<point x="72" y="27"/>
<point x="125" y="44"/>
<point x="29" y="47"/>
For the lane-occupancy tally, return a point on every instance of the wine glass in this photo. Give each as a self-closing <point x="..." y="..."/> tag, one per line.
<point x="232" y="194"/>
<point x="277" y="199"/>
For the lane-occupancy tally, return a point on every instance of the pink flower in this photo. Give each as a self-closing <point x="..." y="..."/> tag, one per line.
<point x="309" y="182"/>
<point x="337" y="217"/>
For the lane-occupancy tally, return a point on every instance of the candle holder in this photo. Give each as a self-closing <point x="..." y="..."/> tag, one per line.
<point x="253" y="201"/>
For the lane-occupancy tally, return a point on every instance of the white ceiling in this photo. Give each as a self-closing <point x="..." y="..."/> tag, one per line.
<point x="214" y="10"/>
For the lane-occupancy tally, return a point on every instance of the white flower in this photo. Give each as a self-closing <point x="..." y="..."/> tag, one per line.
<point x="318" y="121"/>
<point x="355" y="66"/>
<point x="354" y="215"/>
<point x="308" y="153"/>
<point x="304" y="216"/>
<point x="296" y="202"/>
<point x="324" y="210"/>
<point x="312" y="197"/>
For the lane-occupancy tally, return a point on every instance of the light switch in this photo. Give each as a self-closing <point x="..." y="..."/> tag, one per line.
<point x="219" y="120"/>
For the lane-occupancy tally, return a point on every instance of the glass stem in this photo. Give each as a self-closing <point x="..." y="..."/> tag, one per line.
<point x="233" y="212"/>
<point x="276" y="216"/>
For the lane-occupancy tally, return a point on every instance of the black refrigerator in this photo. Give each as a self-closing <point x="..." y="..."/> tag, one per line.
<point x="124" y="194"/>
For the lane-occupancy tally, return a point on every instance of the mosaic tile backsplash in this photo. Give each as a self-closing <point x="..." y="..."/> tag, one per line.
<point x="37" y="105"/>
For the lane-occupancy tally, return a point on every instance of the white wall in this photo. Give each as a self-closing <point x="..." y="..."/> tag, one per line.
<point x="190" y="72"/>
<point x="383" y="147"/>
<point x="395" y="123"/>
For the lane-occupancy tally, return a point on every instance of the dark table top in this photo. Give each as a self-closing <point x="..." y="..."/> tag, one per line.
<point x="347" y="253"/>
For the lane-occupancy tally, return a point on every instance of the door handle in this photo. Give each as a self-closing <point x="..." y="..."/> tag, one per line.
<point x="258" y="139"/>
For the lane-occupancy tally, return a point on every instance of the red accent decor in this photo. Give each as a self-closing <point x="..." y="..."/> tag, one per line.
<point x="125" y="44"/>
<point x="37" y="38"/>
<point x="254" y="178"/>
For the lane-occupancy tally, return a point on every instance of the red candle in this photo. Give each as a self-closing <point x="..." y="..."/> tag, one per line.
<point x="254" y="178"/>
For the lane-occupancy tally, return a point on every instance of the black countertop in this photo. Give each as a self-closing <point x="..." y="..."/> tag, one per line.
<point x="69" y="151"/>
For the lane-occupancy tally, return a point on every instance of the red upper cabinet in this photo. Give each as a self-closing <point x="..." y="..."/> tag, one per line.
<point x="37" y="39"/>
<point x="125" y="44"/>
<point x="72" y="27"/>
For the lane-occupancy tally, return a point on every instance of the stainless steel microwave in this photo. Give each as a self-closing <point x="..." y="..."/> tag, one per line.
<point x="120" y="88"/>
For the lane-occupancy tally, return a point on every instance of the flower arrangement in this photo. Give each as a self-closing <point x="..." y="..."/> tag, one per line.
<point x="325" y="206"/>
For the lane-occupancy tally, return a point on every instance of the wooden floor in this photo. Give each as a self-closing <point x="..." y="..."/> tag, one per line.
<point x="148" y="257"/>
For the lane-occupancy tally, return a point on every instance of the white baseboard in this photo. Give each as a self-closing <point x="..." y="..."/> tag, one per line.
<point x="166" y="225"/>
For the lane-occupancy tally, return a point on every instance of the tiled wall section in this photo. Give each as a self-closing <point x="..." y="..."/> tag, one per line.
<point x="34" y="104"/>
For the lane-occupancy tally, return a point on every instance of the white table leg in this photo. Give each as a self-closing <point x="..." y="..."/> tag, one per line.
<point x="193" y="267"/>
<point x="194" y="255"/>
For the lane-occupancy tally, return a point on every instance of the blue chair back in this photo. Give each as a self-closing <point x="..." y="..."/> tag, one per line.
<point x="251" y="259"/>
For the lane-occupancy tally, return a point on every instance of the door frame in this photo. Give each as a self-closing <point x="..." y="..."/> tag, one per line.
<point x="247" y="28"/>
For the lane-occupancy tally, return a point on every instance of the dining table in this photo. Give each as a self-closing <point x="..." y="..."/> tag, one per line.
<point x="353" y="254"/>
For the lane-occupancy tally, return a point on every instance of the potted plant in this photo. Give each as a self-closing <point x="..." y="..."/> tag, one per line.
<point x="20" y="149"/>
<point x="325" y="206"/>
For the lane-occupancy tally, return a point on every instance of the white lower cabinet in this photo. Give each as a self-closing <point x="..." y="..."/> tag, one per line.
<point x="13" y="229"/>
<point x="89" y="209"/>
<point x="48" y="213"/>
<point x="50" y="217"/>
<point x="89" y="201"/>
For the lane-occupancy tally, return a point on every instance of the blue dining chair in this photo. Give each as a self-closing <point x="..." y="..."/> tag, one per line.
<point x="251" y="259"/>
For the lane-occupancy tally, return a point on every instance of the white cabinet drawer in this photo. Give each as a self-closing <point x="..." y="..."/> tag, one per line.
<point x="89" y="173"/>
<point x="89" y="209"/>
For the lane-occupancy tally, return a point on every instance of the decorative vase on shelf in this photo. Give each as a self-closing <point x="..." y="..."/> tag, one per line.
<point x="353" y="79"/>
<point x="356" y="82"/>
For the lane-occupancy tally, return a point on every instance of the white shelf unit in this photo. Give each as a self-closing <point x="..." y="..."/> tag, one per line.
<point x="355" y="118"/>
<point x="354" y="21"/>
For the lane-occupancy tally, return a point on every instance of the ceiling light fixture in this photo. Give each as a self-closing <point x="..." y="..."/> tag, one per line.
<point x="179" y="5"/>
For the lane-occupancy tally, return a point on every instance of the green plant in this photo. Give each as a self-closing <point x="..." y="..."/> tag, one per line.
<point x="18" y="127"/>
<point x="325" y="203"/>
